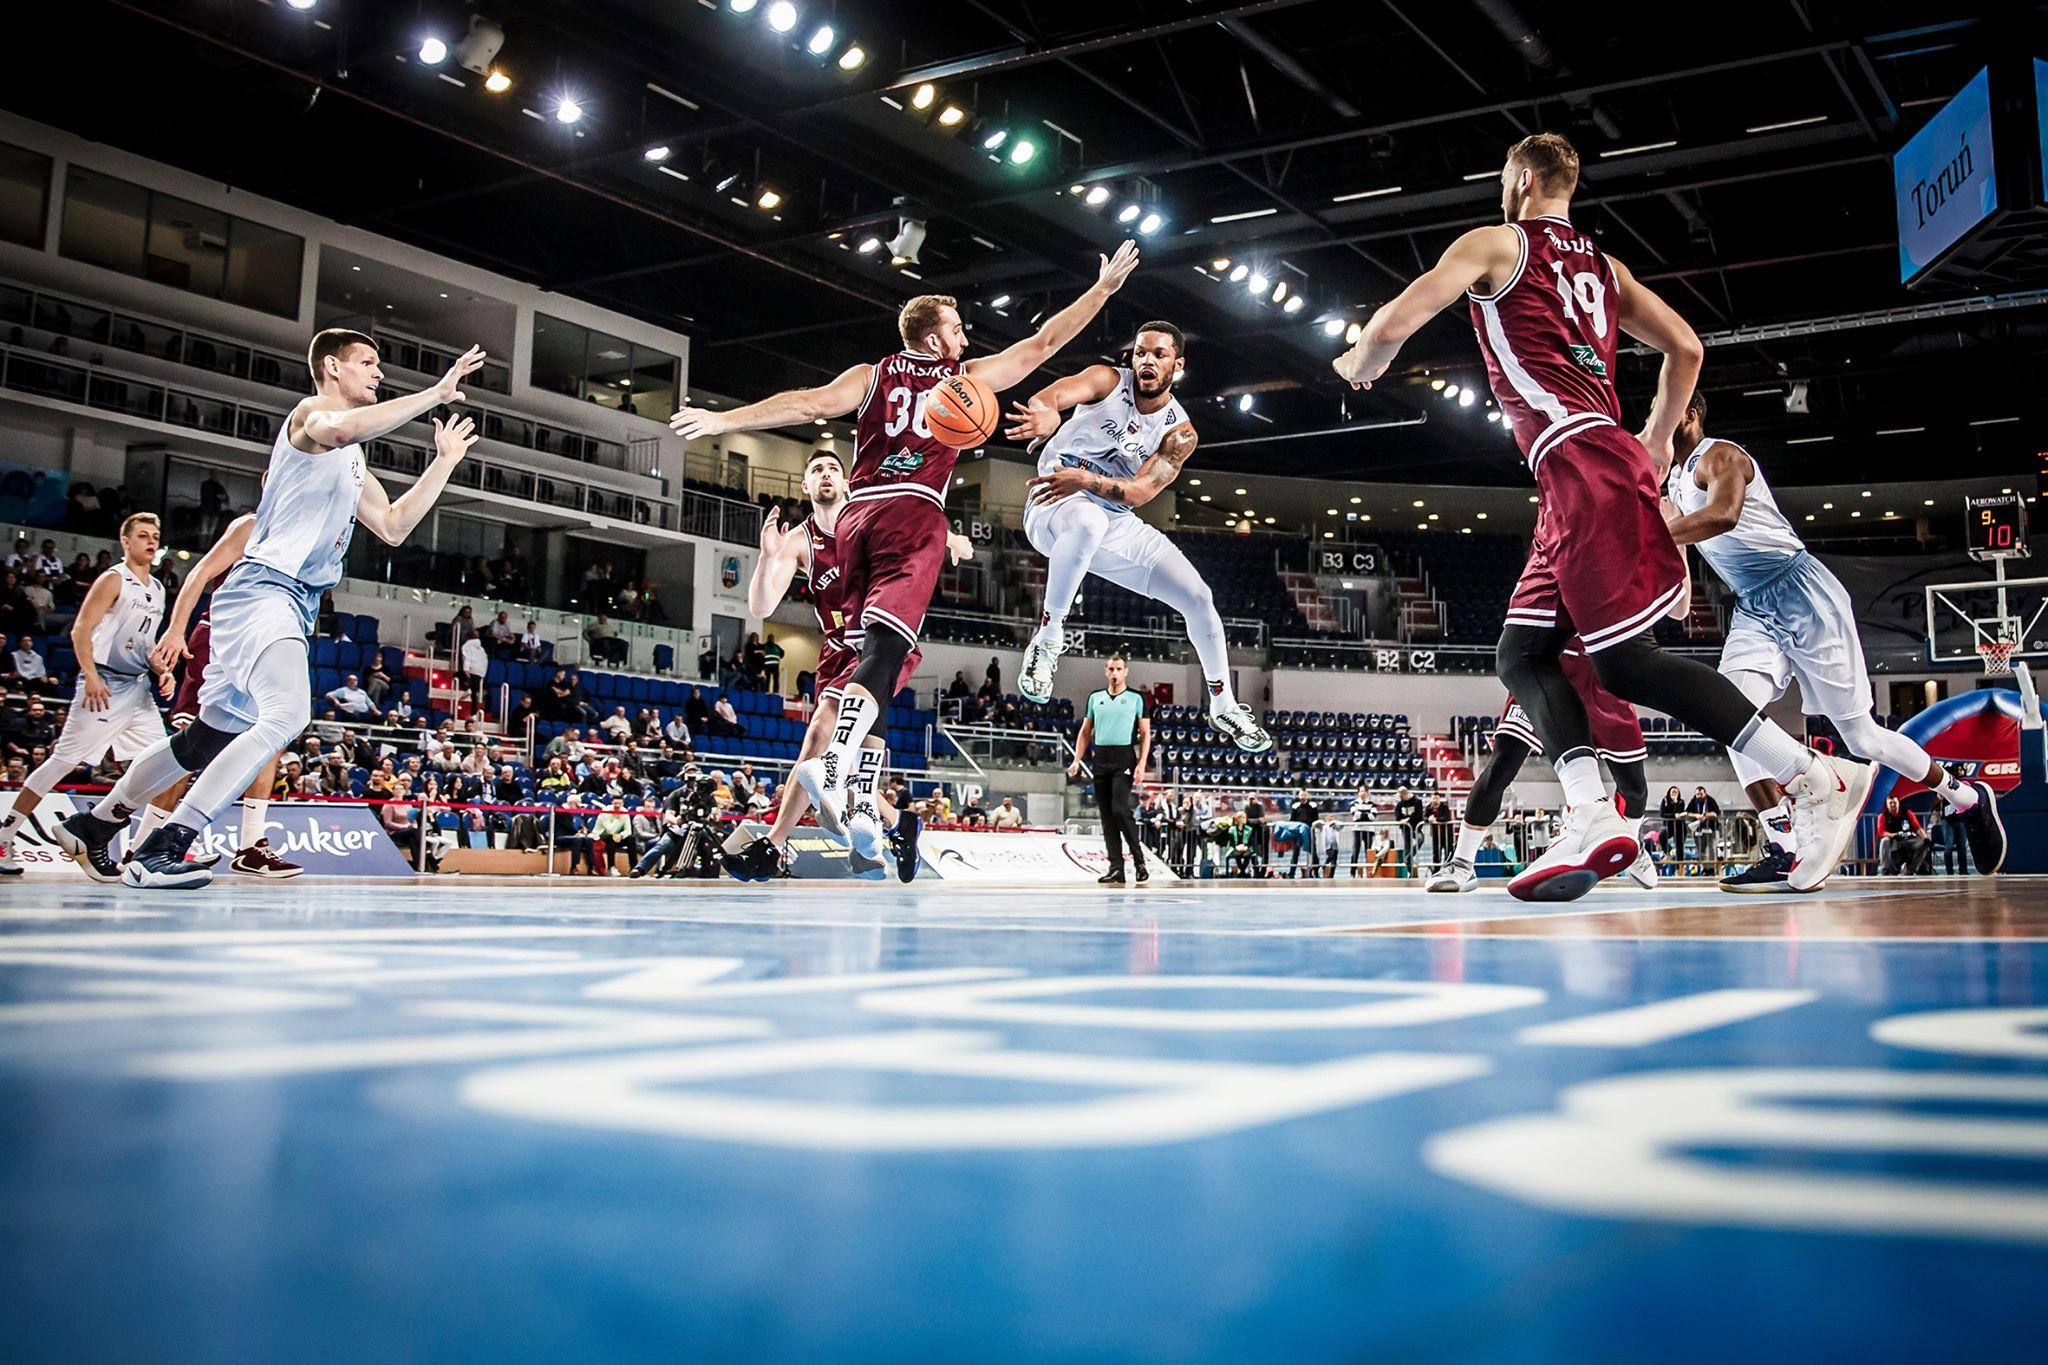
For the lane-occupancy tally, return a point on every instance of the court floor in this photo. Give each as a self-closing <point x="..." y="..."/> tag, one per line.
<point x="512" y="1121"/>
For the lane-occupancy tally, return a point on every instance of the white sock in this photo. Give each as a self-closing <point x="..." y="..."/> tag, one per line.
<point x="857" y="716"/>
<point x="1764" y="742"/>
<point x="867" y="777"/>
<point x="1777" y="823"/>
<point x="8" y="826"/>
<point x="1469" y="840"/>
<point x="1939" y="780"/>
<point x="253" y="815"/>
<point x="1580" y="773"/>
<point x="152" y="816"/>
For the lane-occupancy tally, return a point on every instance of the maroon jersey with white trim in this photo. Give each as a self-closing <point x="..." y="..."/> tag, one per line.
<point x="1549" y="336"/>
<point x="828" y="591"/>
<point x="894" y="454"/>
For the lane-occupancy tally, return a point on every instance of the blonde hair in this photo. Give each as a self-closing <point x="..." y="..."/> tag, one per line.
<point x="920" y="317"/>
<point x="132" y="518"/>
<point x="1551" y="158"/>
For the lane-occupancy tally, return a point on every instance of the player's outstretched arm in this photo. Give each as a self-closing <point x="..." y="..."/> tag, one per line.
<point x="392" y="521"/>
<point x="1038" y="416"/>
<point x="332" y="428"/>
<point x="1487" y="253"/>
<point x="785" y="409"/>
<point x="224" y="555"/>
<point x="99" y="600"/>
<point x="783" y="550"/>
<point x="1011" y="366"/>
<point x="1159" y="471"/>
<point x="1725" y="471"/>
<point x="1650" y="320"/>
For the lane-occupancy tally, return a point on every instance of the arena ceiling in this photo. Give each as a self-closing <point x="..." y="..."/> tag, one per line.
<point x="1736" y="157"/>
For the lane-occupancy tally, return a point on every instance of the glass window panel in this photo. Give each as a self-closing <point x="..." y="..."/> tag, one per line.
<point x="654" y="384"/>
<point x="608" y="371"/>
<point x="105" y="221"/>
<point x="557" y="355"/>
<point x="188" y="245"/>
<point x="24" y="195"/>
<point x="263" y="268"/>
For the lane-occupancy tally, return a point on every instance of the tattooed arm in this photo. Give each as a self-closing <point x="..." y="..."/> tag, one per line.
<point x="1160" y="469"/>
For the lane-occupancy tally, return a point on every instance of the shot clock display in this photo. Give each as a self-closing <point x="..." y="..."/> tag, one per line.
<point x="1997" y="526"/>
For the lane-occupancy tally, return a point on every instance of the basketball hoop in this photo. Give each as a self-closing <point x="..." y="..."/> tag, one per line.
<point x="1997" y="657"/>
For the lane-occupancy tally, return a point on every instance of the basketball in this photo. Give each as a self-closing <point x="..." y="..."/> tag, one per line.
<point x="961" y="412"/>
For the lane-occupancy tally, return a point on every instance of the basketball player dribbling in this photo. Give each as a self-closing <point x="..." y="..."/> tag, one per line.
<point x="1127" y="441"/>
<point x="892" y="535"/>
<point x="1548" y="306"/>
<point x="1794" y="619"/>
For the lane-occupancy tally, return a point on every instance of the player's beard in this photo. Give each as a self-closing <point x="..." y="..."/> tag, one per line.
<point x="1157" y="386"/>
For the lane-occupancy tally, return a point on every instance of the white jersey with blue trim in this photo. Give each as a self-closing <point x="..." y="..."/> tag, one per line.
<point x="122" y="640"/>
<point x="1762" y="542"/>
<point x="1110" y="435"/>
<point x="308" y="512"/>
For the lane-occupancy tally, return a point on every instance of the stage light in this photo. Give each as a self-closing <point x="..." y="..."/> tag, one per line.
<point x="1244" y="402"/>
<point x="1280" y="291"/>
<point x="869" y="246"/>
<point x="1238" y="273"/>
<point x="782" y="16"/>
<point x="479" y="48"/>
<point x="822" y="40"/>
<point x="770" y="199"/>
<point x="909" y="237"/>
<point x="1258" y="284"/>
<point x="994" y="138"/>
<point x="854" y="58"/>
<point x="302" y="4"/>
<point x="497" y="82"/>
<point x="1023" y="151"/>
<point x="657" y="155"/>
<point x="1437" y="385"/>
<point x="1220" y="264"/>
<point x="1128" y="213"/>
<point x="1150" y="224"/>
<point x="568" y="111"/>
<point x="1097" y="197"/>
<point x="952" y="116"/>
<point x="1294" y="305"/>
<point x="1467" y="398"/>
<point x="1000" y="301"/>
<point x="1450" y="391"/>
<point x="1354" y="332"/>
<point x="1334" y="327"/>
<point x="433" y="51"/>
<point x="742" y="6"/>
<point x="922" y="97"/>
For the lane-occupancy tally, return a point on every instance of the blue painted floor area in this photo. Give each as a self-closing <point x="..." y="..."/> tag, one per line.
<point x="319" y="1122"/>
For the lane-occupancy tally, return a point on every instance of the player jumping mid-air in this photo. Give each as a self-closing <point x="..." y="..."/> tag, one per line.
<point x="1127" y="440"/>
<point x="257" y="695"/>
<point x="1794" y="619"/>
<point x="892" y="535"/>
<point x="1549" y="305"/>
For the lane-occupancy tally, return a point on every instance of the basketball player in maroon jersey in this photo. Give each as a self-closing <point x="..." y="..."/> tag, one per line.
<point x="1549" y="305"/>
<point x="892" y="535"/>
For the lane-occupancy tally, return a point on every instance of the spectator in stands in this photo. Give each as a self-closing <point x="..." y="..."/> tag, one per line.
<point x="559" y="701"/>
<point x="603" y="638"/>
<point x="1408" y="814"/>
<point x="557" y="780"/>
<point x="1329" y="841"/>
<point x="597" y="779"/>
<point x="213" y="504"/>
<point x="440" y="748"/>
<point x="1364" y="810"/>
<point x="78" y="580"/>
<point x="725" y="722"/>
<point x="25" y="731"/>
<point x="529" y="643"/>
<point x="772" y="656"/>
<point x="31" y="674"/>
<point x="17" y="772"/>
<point x="1491" y="860"/>
<point x="83" y="514"/>
<point x="1703" y="813"/>
<point x="572" y="832"/>
<point x="958" y="688"/>
<point x="327" y="620"/>
<point x="401" y="710"/>
<point x="335" y="778"/>
<point x="1672" y="812"/>
<point x="474" y="664"/>
<point x="707" y="658"/>
<point x="290" y="780"/>
<point x="974" y="815"/>
<point x="697" y="711"/>
<point x="37" y="592"/>
<point x="1241" y="847"/>
<point x="1438" y="813"/>
<point x="352" y="701"/>
<point x="617" y="728"/>
<point x="677" y="731"/>
<point x="754" y="662"/>
<point x="476" y="576"/>
<point x="396" y="817"/>
<point x="567" y="746"/>
<point x="1006" y="816"/>
<point x="383" y="781"/>
<point x="510" y="572"/>
<point x="461" y="630"/>
<point x="627" y="600"/>
<point x="611" y="834"/>
<point x="17" y="616"/>
<point x="992" y="682"/>
<point x="9" y="681"/>
<point x="504" y="636"/>
<point x="377" y="682"/>
<point x="47" y="564"/>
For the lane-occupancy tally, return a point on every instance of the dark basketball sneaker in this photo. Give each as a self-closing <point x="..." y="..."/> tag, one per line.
<point x="90" y="841"/>
<point x="1772" y="872"/>
<point x="757" y="862"/>
<point x="258" y="861"/>
<point x="160" y="863"/>
<point x="903" y="843"/>
<point x="1113" y="877"/>
<point x="1143" y="876"/>
<point x="1984" y="832"/>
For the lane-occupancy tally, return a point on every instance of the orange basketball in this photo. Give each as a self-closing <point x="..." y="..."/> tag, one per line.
<point x="961" y="411"/>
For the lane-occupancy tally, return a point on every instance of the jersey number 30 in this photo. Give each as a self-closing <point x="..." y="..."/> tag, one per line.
<point x="905" y="411"/>
<point x="1582" y="293"/>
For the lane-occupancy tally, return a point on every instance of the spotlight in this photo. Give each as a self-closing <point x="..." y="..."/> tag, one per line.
<point x="1238" y="273"/>
<point x="742" y="6"/>
<point x="479" y="48"/>
<point x="1000" y="301"/>
<point x="1220" y="264"/>
<point x="869" y="246"/>
<point x="952" y="116"/>
<point x="302" y="4"/>
<point x="994" y="138"/>
<point x="656" y="154"/>
<point x="1437" y="385"/>
<point x="1334" y="327"/>
<point x="1150" y="224"/>
<point x="1128" y="213"/>
<point x="909" y="237"/>
<point x="1244" y="402"/>
<point x="822" y="40"/>
<point x="770" y="199"/>
<point x="497" y="82"/>
<point x="1258" y="283"/>
<point x="854" y="58"/>
<point x="1467" y="398"/>
<point x="1280" y="291"/>
<point x="922" y="97"/>
<point x="1023" y="151"/>
<point x="568" y="111"/>
<point x="433" y="51"/>
<point x="782" y="16"/>
<point x="1096" y="197"/>
<point x="1450" y="391"/>
<point x="1294" y="305"/>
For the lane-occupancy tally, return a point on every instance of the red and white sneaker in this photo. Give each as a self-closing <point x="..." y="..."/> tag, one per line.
<point x="9" y="865"/>
<point x="258" y="861"/>
<point x="1595" y="845"/>
<point x="1826" y="800"/>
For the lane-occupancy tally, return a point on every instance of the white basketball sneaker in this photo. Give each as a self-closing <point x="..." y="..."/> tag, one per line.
<point x="1454" y="876"/>
<point x="1595" y="845"/>
<point x="1643" y="871"/>
<point x="1826" y="800"/>
<point x="1041" y="661"/>
<point x="864" y="844"/>
<point x="1234" y="721"/>
<point x="821" y="778"/>
<point x="10" y="866"/>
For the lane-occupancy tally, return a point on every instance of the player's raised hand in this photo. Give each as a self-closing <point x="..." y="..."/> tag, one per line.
<point x="1351" y="367"/>
<point x="467" y="364"/>
<point x="453" y="438"/>
<point x="774" y="535"/>
<point x="1116" y="269"/>
<point x="164" y="657"/>
<point x="690" y="423"/>
<point x="1032" y="421"/>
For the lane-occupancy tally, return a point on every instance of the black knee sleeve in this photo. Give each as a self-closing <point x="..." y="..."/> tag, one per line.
<point x="1526" y="661"/>
<point x="1490" y="788"/>
<point x="198" y="744"/>
<point x="1637" y="670"/>
<point x="1631" y="788"/>
<point x="881" y="663"/>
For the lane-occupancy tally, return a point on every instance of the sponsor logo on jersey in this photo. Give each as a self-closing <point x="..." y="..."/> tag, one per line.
<point x="825" y="579"/>
<point x="1588" y="360"/>
<point x="903" y="462"/>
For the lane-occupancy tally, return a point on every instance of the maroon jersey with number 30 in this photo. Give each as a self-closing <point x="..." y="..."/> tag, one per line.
<point x="894" y="454"/>
<point x="1549" y="336"/>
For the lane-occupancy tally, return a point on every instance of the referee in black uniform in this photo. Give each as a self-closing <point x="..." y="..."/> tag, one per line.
<point x="1116" y="723"/>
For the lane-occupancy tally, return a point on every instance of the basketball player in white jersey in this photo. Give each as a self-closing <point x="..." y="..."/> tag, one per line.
<point x="258" y="691"/>
<point x="112" y="709"/>
<point x="1793" y="619"/>
<point x="1127" y="440"/>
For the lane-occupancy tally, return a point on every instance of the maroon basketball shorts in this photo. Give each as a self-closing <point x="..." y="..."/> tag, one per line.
<point x="1602" y="564"/>
<point x="836" y="665"/>
<point x="893" y="549"/>
<point x="1617" y="733"/>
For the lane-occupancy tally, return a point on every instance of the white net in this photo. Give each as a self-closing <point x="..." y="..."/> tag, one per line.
<point x="1997" y="657"/>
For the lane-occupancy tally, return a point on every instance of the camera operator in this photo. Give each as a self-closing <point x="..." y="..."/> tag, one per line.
<point x="688" y="845"/>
